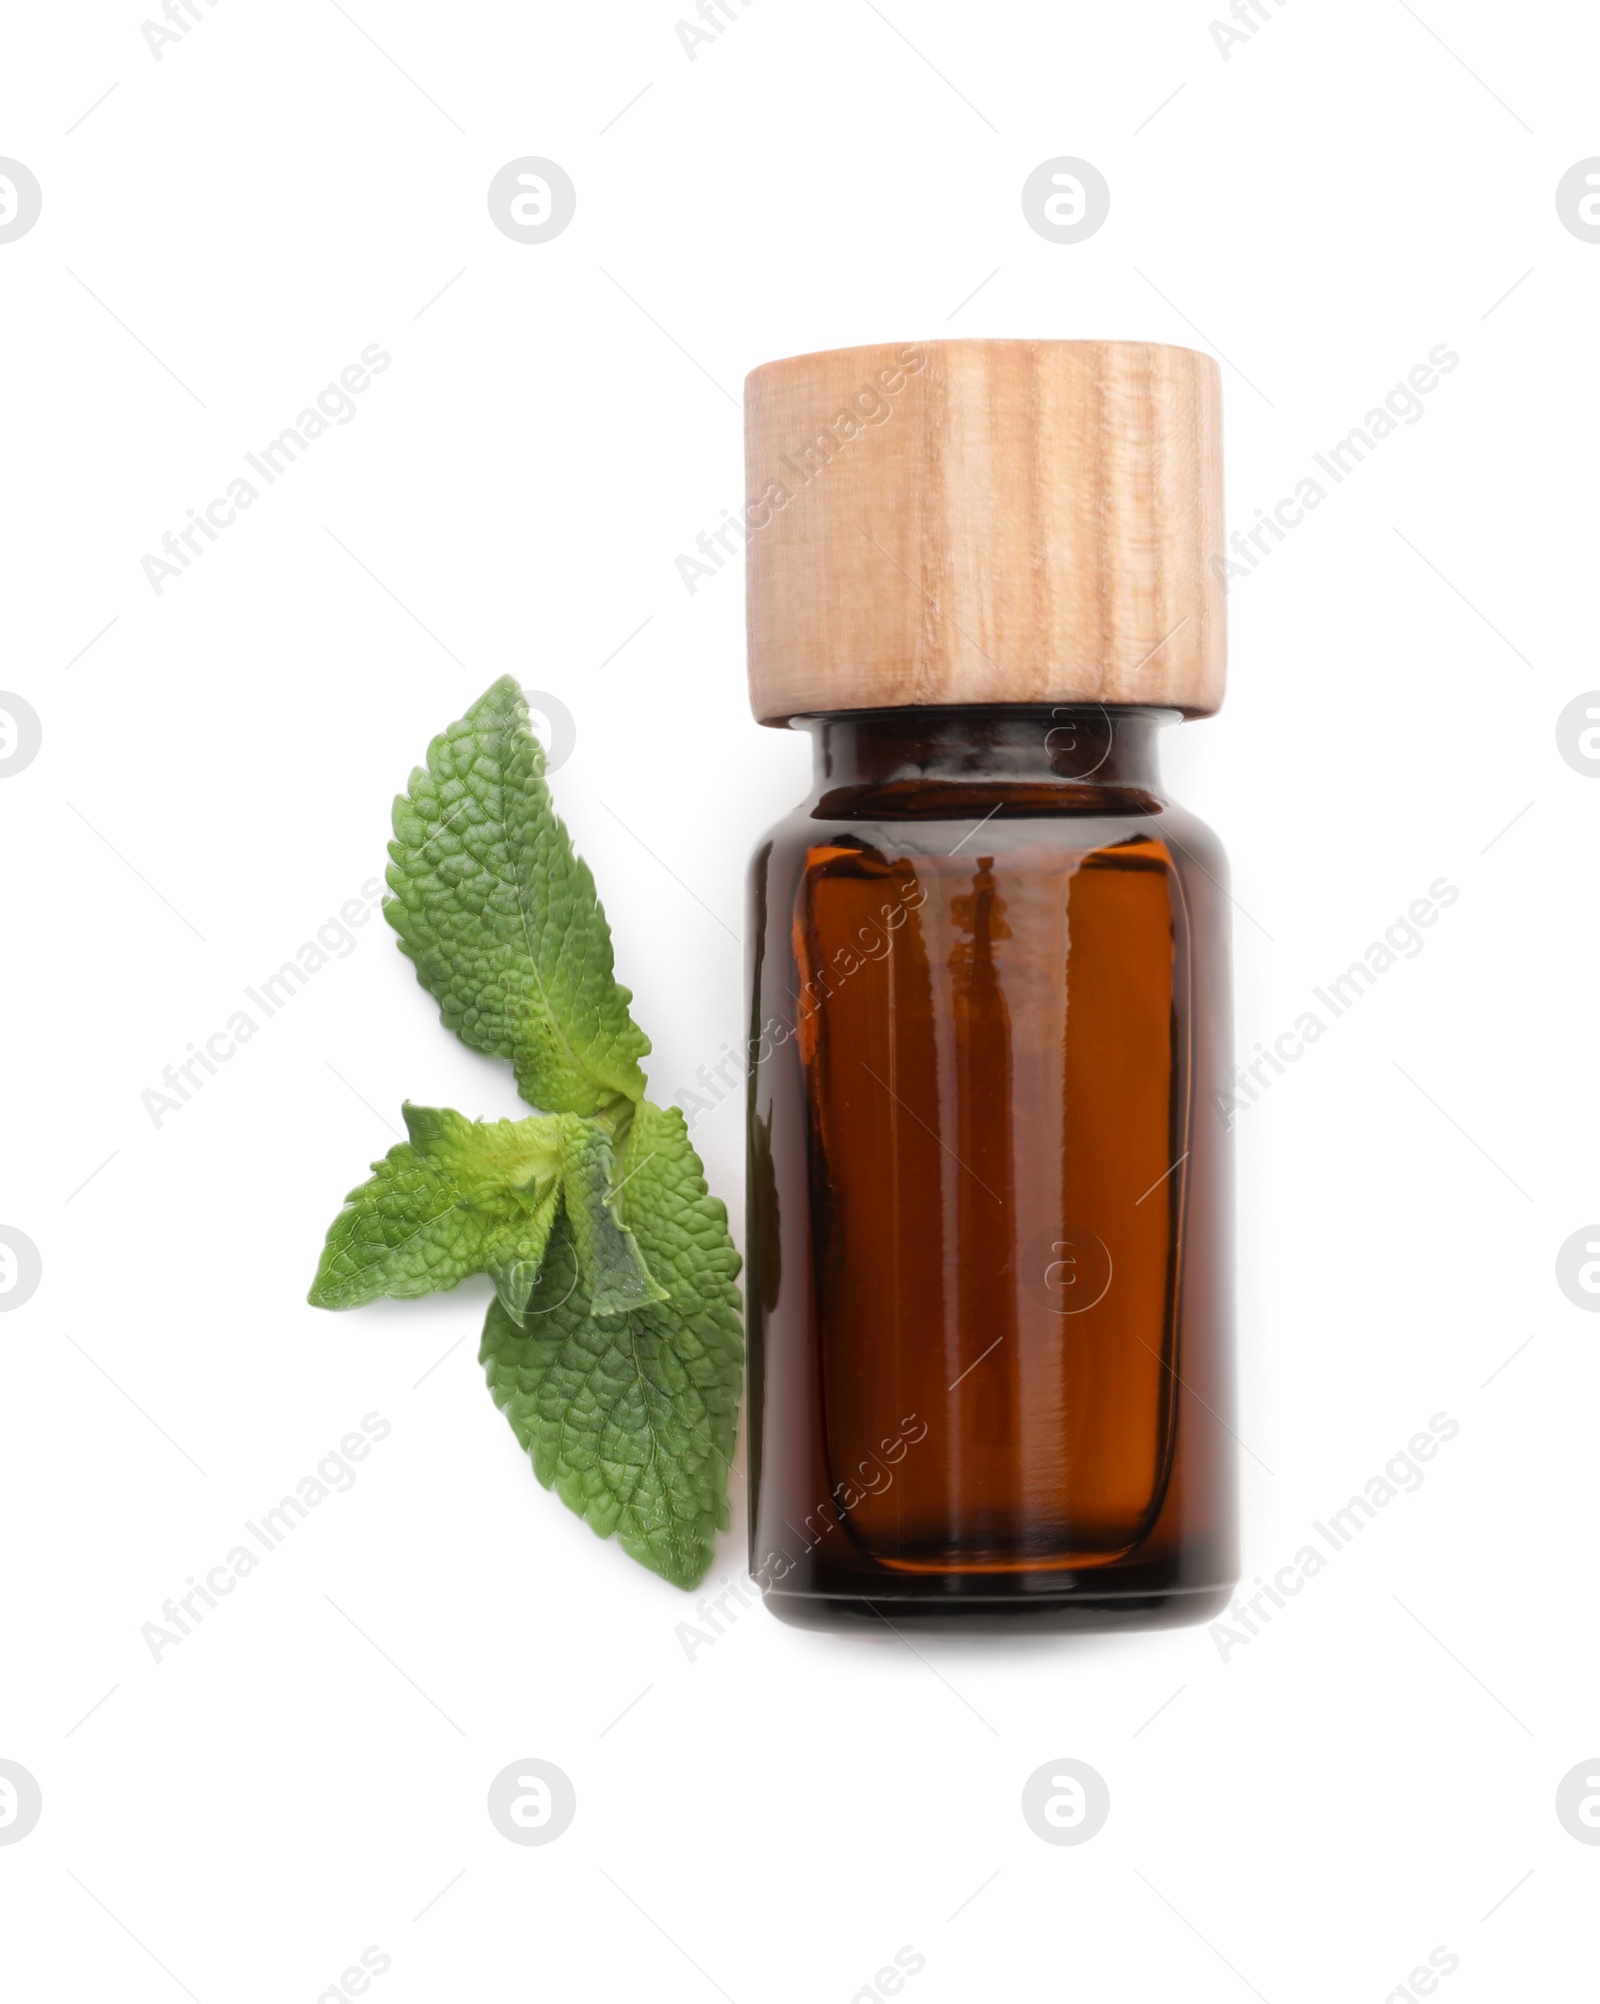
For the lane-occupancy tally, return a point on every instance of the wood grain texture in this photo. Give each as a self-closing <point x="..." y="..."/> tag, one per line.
<point x="984" y="522"/>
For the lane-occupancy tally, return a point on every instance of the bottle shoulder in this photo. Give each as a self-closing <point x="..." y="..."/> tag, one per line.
<point x="824" y="830"/>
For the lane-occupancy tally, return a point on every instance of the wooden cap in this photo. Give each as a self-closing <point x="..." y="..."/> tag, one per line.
<point x="984" y="522"/>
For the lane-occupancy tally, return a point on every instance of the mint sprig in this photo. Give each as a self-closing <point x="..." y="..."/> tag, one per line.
<point x="612" y="1342"/>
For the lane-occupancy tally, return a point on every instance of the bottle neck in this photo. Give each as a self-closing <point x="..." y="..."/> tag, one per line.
<point x="1063" y="749"/>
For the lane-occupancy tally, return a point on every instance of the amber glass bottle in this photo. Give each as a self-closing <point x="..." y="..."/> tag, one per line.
<point x="989" y="1228"/>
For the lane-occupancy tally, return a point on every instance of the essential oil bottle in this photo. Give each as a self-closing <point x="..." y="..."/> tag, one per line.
<point x="989" y="1263"/>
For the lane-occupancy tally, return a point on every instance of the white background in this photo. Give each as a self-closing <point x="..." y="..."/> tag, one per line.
<point x="1373" y="1775"/>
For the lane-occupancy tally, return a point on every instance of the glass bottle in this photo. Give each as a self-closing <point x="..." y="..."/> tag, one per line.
<point x="989" y="1217"/>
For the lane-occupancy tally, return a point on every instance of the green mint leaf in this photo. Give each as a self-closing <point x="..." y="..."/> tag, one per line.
<point x="460" y="1197"/>
<point x="631" y="1418"/>
<point x="500" y="916"/>
<point x="615" y="1277"/>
